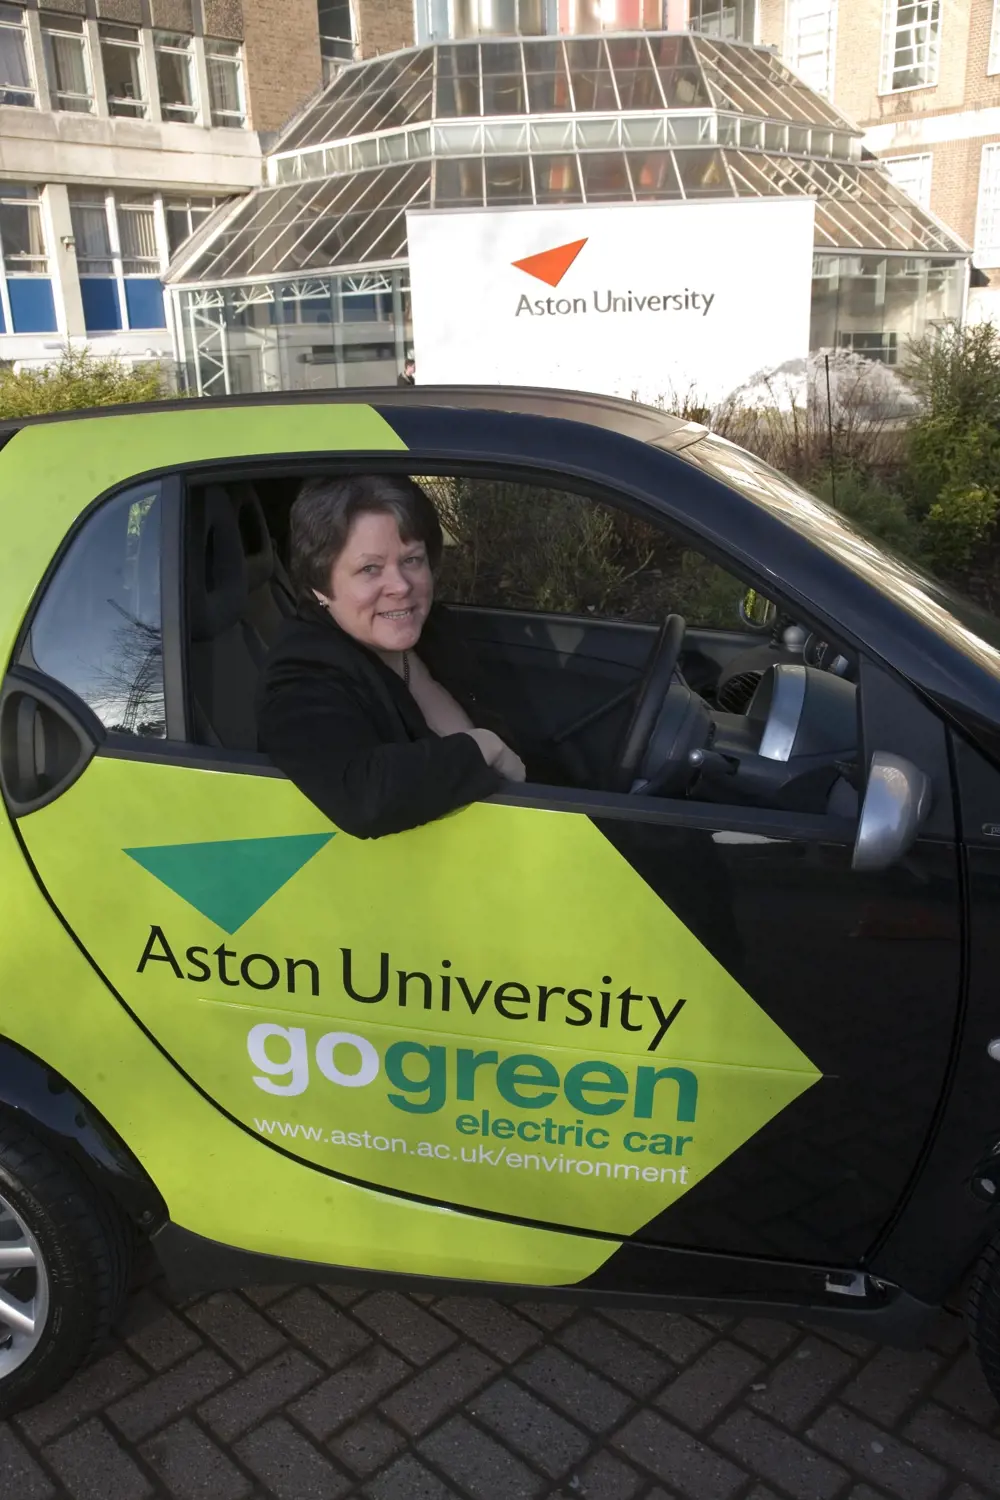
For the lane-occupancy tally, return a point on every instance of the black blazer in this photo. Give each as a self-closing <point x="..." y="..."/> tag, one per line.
<point x="347" y="731"/>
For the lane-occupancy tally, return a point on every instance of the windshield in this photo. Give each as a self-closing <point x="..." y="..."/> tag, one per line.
<point x="957" y="620"/>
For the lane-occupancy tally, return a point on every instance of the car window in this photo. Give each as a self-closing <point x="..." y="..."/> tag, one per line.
<point x="97" y="629"/>
<point x="513" y="545"/>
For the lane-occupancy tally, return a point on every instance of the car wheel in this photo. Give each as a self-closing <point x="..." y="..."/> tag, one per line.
<point x="983" y="1312"/>
<point x="65" y="1255"/>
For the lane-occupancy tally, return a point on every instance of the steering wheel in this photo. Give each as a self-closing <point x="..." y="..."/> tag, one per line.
<point x="652" y="690"/>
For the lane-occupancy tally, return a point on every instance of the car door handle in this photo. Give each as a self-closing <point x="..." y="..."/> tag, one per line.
<point x="47" y="739"/>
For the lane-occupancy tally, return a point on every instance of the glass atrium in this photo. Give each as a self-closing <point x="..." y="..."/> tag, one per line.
<point x="304" y="283"/>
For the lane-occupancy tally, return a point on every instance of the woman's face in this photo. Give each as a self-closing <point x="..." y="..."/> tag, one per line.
<point x="381" y="587"/>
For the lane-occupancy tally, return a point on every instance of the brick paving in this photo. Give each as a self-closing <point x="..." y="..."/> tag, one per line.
<point x="330" y="1392"/>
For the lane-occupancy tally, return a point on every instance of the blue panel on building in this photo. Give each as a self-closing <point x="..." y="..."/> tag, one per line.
<point x="3" y="325"/>
<point x="101" y="312"/>
<point x="144" y="300"/>
<point x="32" y="306"/>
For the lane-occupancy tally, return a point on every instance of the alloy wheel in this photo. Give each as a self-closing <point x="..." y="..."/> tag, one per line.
<point x="24" y="1290"/>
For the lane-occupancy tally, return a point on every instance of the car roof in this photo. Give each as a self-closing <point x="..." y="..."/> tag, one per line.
<point x="647" y="424"/>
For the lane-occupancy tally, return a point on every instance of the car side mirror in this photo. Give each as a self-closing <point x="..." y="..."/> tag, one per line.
<point x="897" y="800"/>
<point x="756" y="612"/>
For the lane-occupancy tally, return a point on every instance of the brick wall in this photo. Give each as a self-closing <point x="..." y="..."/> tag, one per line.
<point x="384" y="25"/>
<point x="980" y="88"/>
<point x="771" y="23"/>
<point x="281" y="40"/>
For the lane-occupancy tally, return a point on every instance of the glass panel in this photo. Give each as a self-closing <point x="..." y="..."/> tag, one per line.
<point x="458" y="140"/>
<point x="654" y="174"/>
<point x="174" y="73"/>
<point x="683" y="89"/>
<point x="508" y="179"/>
<point x="21" y="234"/>
<point x="553" y="135"/>
<point x="703" y="174"/>
<point x="645" y="132"/>
<point x="225" y="83"/>
<point x="457" y="81"/>
<point x="557" y="180"/>
<point x="590" y="74"/>
<point x="458" y="182"/>
<point x="122" y="62"/>
<point x="66" y="61"/>
<point x="605" y="176"/>
<point x="89" y="213"/>
<point x="15" y="75"/>
<point x="98" y="627"/>
<point x="137" y="232"/>
<point x="591" y="135"/>
<point x="503" y="94"/>
<point x="501" y="137"/>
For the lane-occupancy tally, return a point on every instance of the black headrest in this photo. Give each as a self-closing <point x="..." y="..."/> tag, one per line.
<point x="258" y="553"/>
<point x="218" y="587"/>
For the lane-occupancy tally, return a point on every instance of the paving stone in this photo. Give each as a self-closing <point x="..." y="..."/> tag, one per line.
<point x="235" y="1410"/>
<point x="803" y="1380"/>
<point x="878" y="1456"/>
<point x="192" y="1467"/>
<point x="263" y="1296"/>
<point x="499" y="1329"/>
<point x="964" y="1390"/>
<point x="92" y="1466"/>
<point x="552" y="1313"/>
<point x="890" y="1383"/>
<point x="615" y="1354"/>
<point x="425" y="1399"/>
<point x="678" y="1458"/>
<point x="345" y="1395"/>
<point x="408" y="1479"/>
<point x="966" y="1448"/>
<point x="966" y="1492"/>
<point x="604" y="1477"/>
<point x="20" y="1476"/>
<point x="289" y="1465"/>
<point x="344" y="1296"/>
<point x="575" y="1390"/>
<point x="765" y="1336"/>
<point x="863" y="1492"/>
<point x="699" y="1394"/>
<point x="721" y="1322"/>
<point x="774" y="1455"/>
<point x="678" y="1337"/>
<point x="367" y="1445"/>
<point x="529" y="1425"/>
<point x="406" y="1327"/>
<point x="325" y="1331"/>
<point x="155" y="1333"/>
<point x="851" y="1343"/>
<point x="169" y="1394"/>
<point x="239" y="1330"/>
<point x="950" y="1333"/>
<point x="87" y="1392"/>
<point x="762" y="1492"/>
<point x="481" y="1466"/>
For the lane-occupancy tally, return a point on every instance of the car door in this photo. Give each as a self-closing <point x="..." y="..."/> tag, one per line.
<point x="660" y="1022"/>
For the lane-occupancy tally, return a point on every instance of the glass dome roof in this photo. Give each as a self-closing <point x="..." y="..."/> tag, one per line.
<point x="651" y="117"/>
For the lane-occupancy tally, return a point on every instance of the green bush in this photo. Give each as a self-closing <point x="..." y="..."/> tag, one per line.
<point x="955" y="372"/>
<point x="79" y="379"/>
<point x="958" y="524"/>
<point x="874" y="505"/>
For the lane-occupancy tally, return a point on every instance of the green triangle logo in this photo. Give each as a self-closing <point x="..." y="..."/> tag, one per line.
<point x="230" y="880"/>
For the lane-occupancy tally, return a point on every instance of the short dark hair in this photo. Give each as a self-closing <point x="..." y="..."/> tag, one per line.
<point x="326" y="508"/>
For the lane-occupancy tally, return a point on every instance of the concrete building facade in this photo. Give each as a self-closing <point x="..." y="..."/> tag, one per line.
<point x="123" y="124"/>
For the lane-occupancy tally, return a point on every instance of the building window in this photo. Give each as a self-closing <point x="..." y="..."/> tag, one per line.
<point x="175" y="75"/>
<point x="15" y="75"/>
<point x="881" y="346"/>
<point x="811" y="42"/>
<point x="911" y="44"/>
<point x="733" y="20"/>
<point x="184" y="216"/>
<point x="118" y="260"/>
<point x="913" y="175"/>
<point x="26" y="301"/>
<point x="121" y="54"/>
<point x="336" y="35"/>
<point x="993" y="62"/>
<point x="225" y="82"/>
<point x="67" y="62"/>
<point x="987" y="251"/>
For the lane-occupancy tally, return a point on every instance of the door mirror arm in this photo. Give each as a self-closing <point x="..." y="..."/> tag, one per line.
<point x="897" y="799"/>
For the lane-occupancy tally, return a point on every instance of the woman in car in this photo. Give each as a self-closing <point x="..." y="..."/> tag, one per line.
<point x="368" y="701"/>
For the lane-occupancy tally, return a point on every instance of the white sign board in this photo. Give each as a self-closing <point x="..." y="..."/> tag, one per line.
<point x="668" y="300"/>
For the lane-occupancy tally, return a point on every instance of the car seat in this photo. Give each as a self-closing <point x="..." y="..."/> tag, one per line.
<point x="224" y="657"/>
<point x="270" y="600"/>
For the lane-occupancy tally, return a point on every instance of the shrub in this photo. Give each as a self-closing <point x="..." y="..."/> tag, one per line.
<point x="874" y="505"/>
<point x="955" y="372"/>
<point x="79" y="379"/>
<point x="957" y="525"/>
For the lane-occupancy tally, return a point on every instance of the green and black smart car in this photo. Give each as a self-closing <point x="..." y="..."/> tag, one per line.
<point x="711" y="1017"/>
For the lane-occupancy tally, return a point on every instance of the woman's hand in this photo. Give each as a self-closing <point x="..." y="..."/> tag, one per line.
<point x="497" y="754"/>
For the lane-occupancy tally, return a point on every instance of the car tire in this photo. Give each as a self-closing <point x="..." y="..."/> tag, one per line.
<point x="68" y="1253"/>
<point x="983" y="1313"/>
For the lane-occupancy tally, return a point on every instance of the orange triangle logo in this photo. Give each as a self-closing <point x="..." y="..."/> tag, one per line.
<point x="551" y="266"/>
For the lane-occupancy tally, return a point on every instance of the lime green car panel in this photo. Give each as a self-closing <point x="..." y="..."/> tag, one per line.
<point x="51" y="472"/>
<point x="216" y="1180"/>
<point x="474" y="1077"/>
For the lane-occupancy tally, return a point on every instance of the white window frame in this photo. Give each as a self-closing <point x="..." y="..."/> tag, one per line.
<point x="240" y="119"/>
<point x="891" y="29"/>
<point x="137" y="46"/>
<point x="987" y="242"/>
<point x="32" y="87"/>
<point x="185" y="202"/>
<point x="50" y="30"/>
<point x="186" y="51"/>
<point x="118" y="273"/>
<point x="822" y="10"/>
<point x="46" y="271"/>
<point x="993" y="60"/>
<point x="926" y="161"/>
